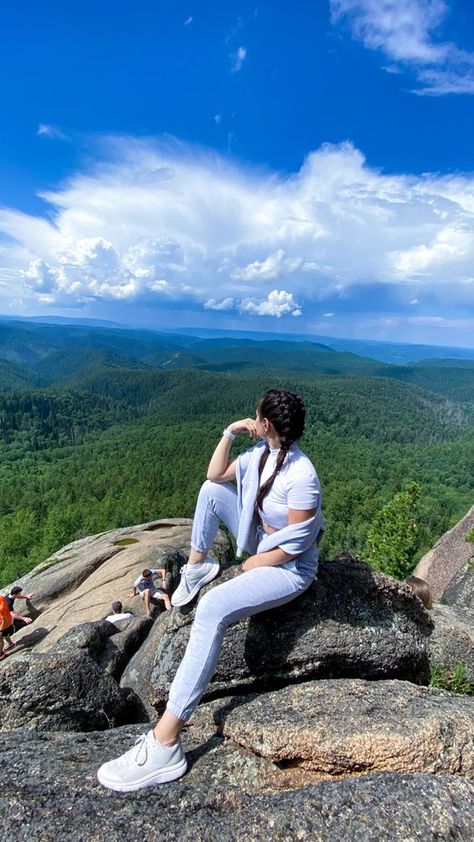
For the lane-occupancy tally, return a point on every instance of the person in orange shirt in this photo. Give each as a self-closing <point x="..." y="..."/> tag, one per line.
<point x="6" y="626"/>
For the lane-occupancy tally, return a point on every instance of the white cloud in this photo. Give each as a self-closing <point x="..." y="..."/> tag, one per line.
<point x="451" y="244"/>
<point x="328" y="315"/>
<point x="51" y="131"/>
<point x="406" y="32"/>
<point x="238" y="58"/>
<point x="226" y="304"/>
<point x="272" y="267"/>
<point x="218" y="118"/>
<point x="165" y="222"/>
<point x="277" y="303"/>
<point x="188" y="21"/>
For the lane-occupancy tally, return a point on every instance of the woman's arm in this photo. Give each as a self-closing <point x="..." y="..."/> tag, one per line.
<point x="273" y="558"/>
<point x="220" y="469"/>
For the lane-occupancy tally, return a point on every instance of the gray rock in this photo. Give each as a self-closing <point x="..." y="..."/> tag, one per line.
<point x="48" y="791"/>
<point x="448" y="556"/>
<point x="326" y="729"/>
<point x="452" y="641"/>
<point x="460" y="591"/>
<point x="122" y="646"/>
<point x="67" y="688"/>
<point x="351" y="622"/>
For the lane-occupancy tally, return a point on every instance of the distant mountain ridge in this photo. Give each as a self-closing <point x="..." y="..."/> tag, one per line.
<point x="47" y="355"/>
<point x="397" y="353"/>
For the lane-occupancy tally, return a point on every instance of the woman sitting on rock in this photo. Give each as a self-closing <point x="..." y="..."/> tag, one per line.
<point x="274" y="511"/>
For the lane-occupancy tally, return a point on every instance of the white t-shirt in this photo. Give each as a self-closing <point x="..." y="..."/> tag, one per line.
<point x="296" y="486"/>
<point x="120" y="619"/>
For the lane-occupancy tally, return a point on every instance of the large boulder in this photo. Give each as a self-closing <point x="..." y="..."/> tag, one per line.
<point x="448" y="556"/>
<point x="351" y="622"/>
<point x="460" y="591"/>
<point x="49" y="791"/>
<point x="67" y="688"/>
<point x="452" y="641"/>
<point x="326" y="729"/>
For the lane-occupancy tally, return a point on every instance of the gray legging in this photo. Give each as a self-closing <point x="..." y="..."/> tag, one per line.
<point x="254" y="591"/>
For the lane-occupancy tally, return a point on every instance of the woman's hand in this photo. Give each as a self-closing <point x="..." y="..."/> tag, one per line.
<point x="272" y="558"/>
<point x="249" y="563"/>
<point x="245" y="425"/>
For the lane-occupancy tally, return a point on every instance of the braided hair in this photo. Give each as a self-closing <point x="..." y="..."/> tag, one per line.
<point x="286" y="411"/>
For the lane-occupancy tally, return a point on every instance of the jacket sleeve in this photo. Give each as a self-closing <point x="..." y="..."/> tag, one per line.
<point x="295" y="538"/>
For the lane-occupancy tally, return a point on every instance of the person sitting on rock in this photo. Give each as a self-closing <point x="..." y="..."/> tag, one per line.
<point x="421" y="589"/>
<point x="145" y="586"/>
<point x="119" y="617"/>
<point x="7" y="616"/>
<point x="274" y="511"/>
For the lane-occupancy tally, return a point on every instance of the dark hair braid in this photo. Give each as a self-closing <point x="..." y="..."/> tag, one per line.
<point x="286" y="412"/>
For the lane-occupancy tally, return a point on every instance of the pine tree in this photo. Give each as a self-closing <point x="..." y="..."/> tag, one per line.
<point x="391" y="540"/>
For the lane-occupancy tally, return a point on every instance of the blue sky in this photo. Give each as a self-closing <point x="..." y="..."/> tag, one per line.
<point x="292" y="167"/>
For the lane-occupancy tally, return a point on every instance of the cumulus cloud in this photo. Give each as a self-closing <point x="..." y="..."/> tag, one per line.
<point x="406" y="32"/>
<point x="277" y="303"/>
<point x="226" y="304"/>
<point x="166" y="223"/>
<point x="273" y="266"/>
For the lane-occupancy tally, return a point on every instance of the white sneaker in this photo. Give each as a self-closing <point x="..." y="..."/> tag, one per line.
<point x="146" y="764"/>
<point x="193" y="577"/>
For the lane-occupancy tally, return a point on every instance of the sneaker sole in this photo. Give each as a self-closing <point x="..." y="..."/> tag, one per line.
<point x="171" y="773"/>
<point x="204" y="581"/>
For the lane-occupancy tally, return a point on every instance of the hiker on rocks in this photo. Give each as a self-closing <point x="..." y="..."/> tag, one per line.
<point x="149" y="592"/>
<point x="7" y="616"/>
<point x="17" y="593"/>
<point x="119" y="617"/>
<point x="274" y="511"/>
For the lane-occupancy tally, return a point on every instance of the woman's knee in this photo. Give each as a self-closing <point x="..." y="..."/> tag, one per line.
<point x="210" y="609"/>
<point x="207" y="491"/>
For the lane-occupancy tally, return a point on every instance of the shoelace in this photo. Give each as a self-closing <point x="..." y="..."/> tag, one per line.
<point x="141" y="750"/>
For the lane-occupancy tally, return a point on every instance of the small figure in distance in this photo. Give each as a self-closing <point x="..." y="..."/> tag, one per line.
<point x="19" y="621"/>
<point x="6" y="628"/>
<point x="145" y="586"/>
<point x="421" y="589"/>
<point x="119" y="617"/>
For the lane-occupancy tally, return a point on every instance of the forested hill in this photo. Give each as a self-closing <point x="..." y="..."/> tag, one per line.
<point x="104" y="428"/>
<point x="48" y="355"/>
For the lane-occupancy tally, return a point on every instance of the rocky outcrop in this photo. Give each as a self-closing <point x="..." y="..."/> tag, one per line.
<point x="79" y="583"/>
<point x="448" y="556"/>
<point x="328" y="729"/>
<point x="362" y="753"/>
<point x="460" y="591"/>
<point x="57" y="797"/>
<point x="351" y="622"/>
<point x="452" y="640"/>
<point x="67" y="688"/>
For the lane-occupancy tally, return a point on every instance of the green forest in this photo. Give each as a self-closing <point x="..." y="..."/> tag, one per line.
<point x="98" y="436"/>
